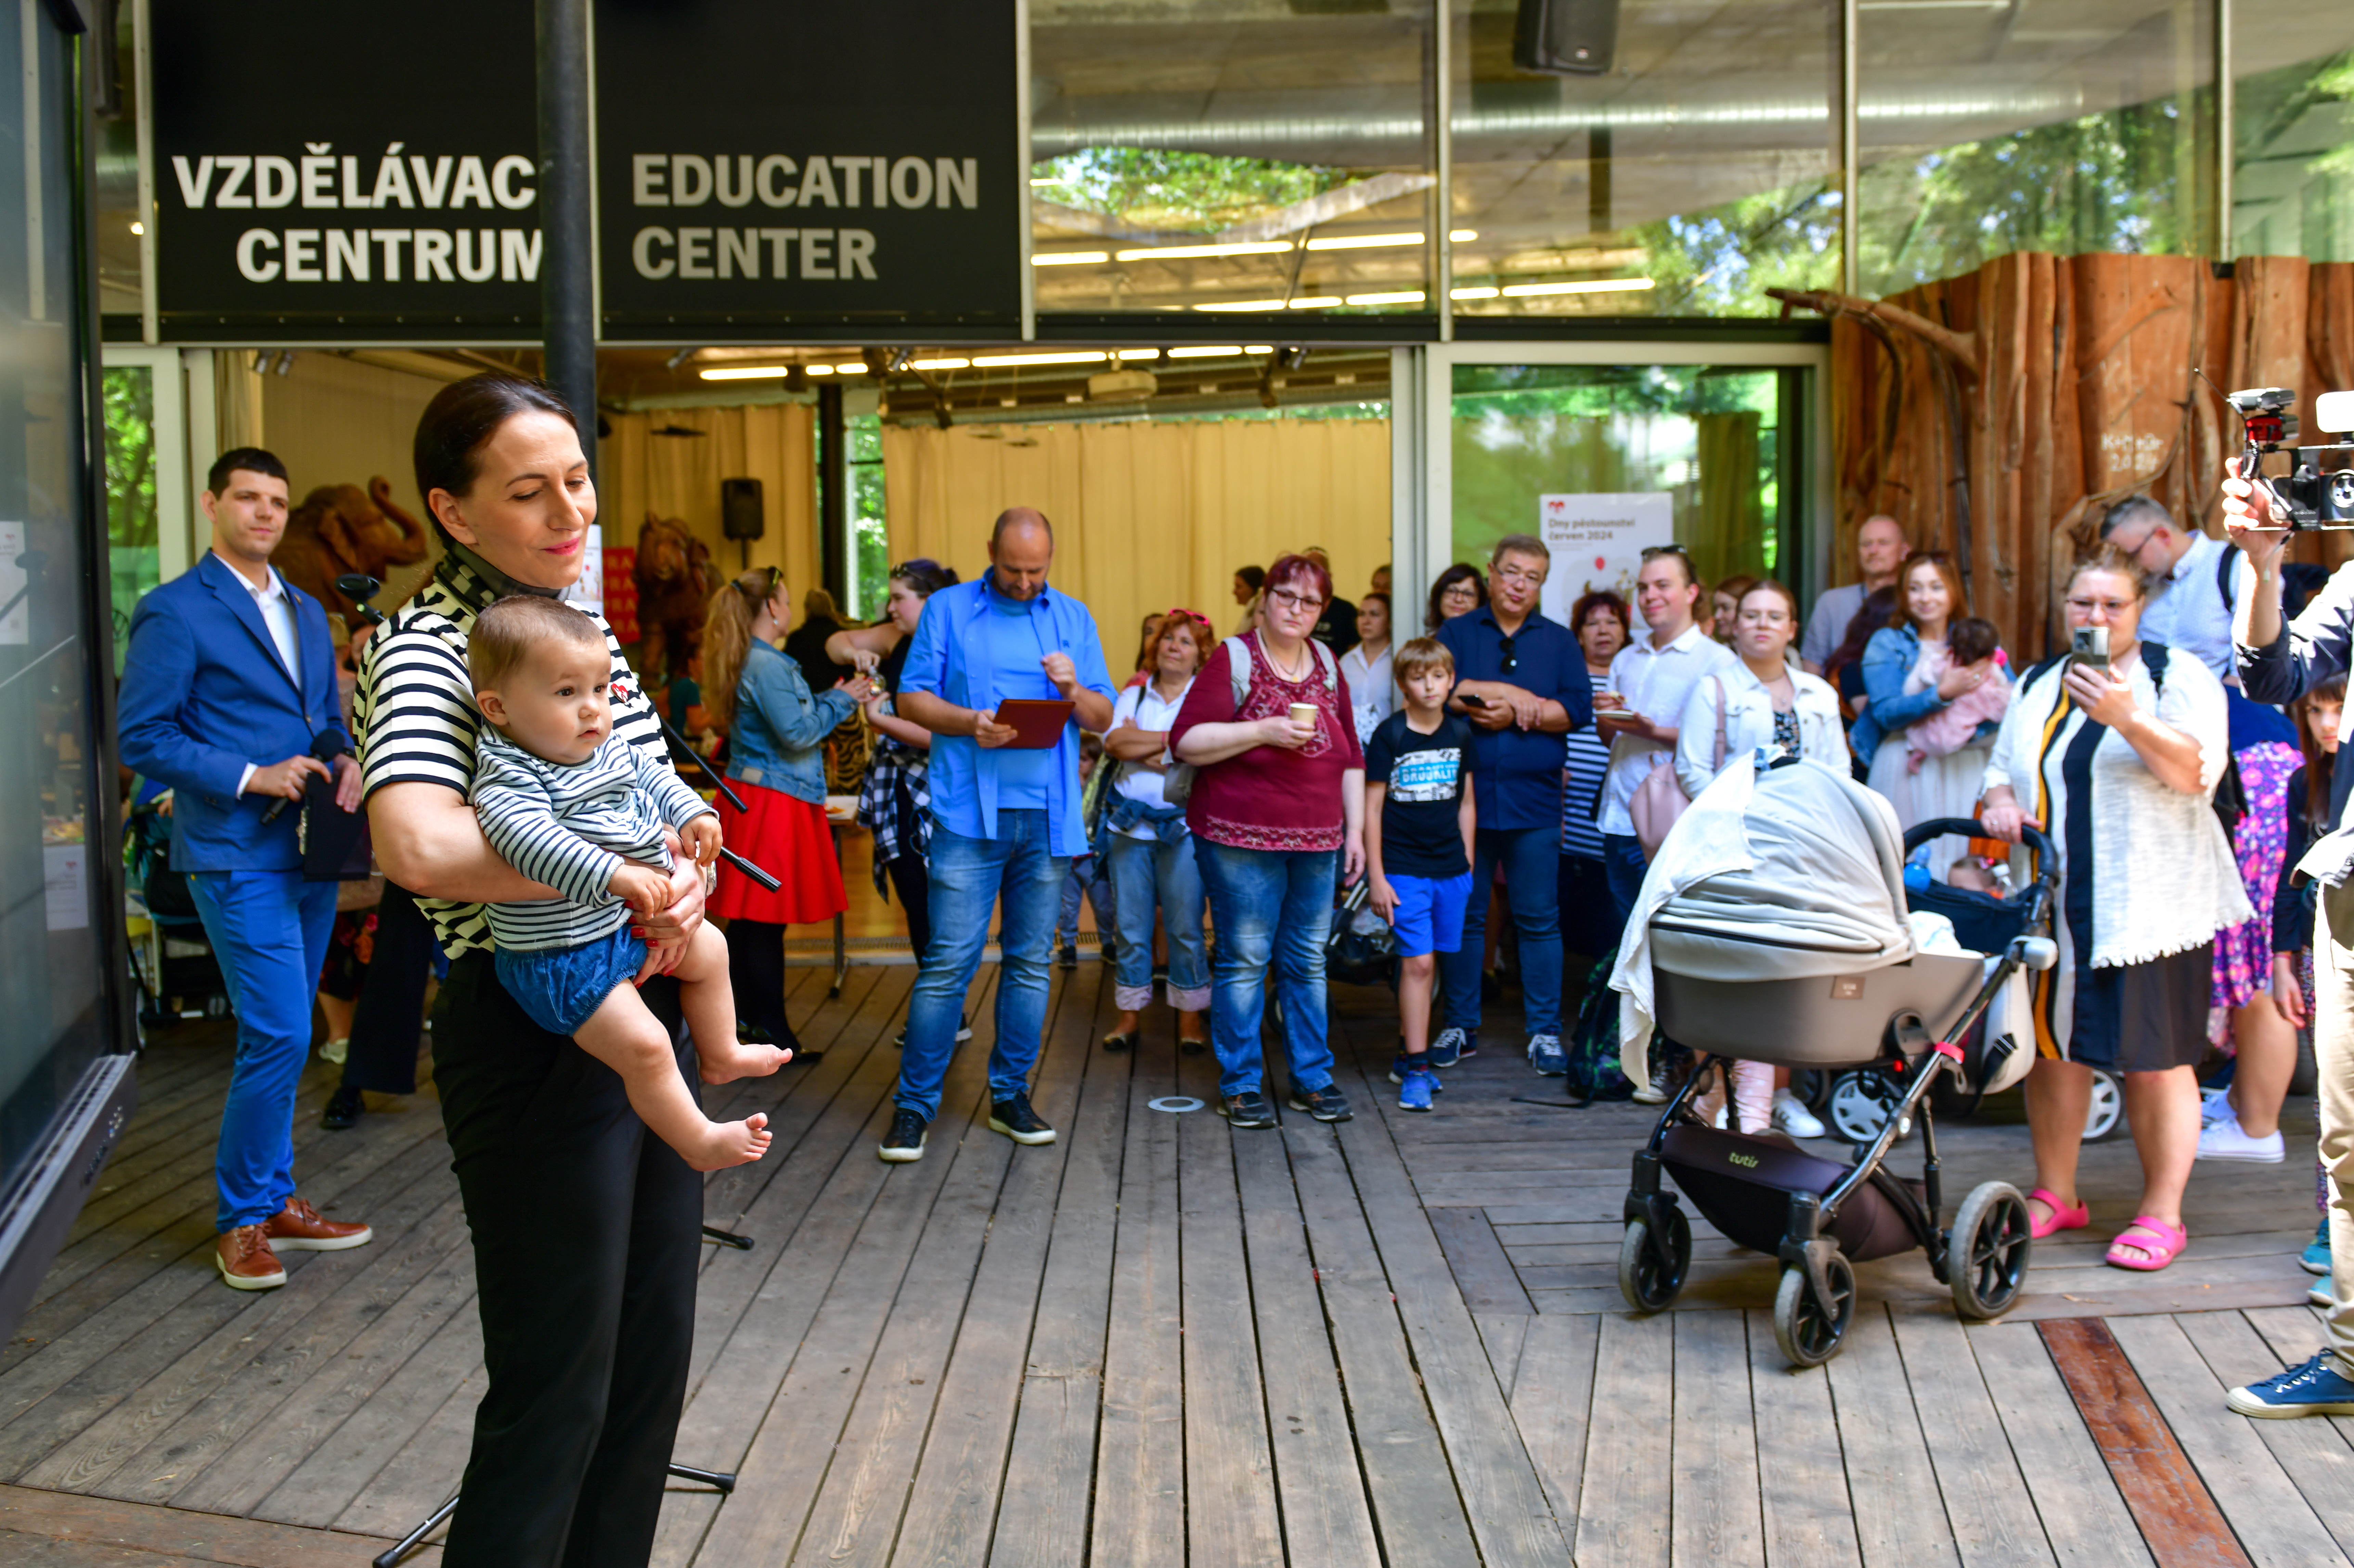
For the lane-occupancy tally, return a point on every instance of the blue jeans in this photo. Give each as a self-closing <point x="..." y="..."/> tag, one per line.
<point x="1089" y="881"/>
<point x="269" y="931"/>
<point x="967" y="876"/>
<point x="1270" y="905"/>
<point x="1531" y="861"/>
<point x="1146" y="872"/>
<point x="1625" y="864"/>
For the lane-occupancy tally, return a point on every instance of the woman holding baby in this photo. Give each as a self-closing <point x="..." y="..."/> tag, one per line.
<point x="587" y="1230"/>
<point x="1937" y="689"/>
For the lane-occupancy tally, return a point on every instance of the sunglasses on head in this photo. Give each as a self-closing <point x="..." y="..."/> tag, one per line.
<point x="1653" y="552"/>
<point x="1512" y="660"/>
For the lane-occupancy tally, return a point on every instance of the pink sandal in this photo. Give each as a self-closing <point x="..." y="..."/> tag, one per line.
<point x="2159" y="1243"/>
<point x="2062" y="1218"/>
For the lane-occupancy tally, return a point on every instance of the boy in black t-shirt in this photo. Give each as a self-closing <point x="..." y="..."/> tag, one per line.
<point x="1419" y="822"/>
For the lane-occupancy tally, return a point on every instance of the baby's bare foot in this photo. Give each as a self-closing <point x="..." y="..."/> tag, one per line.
<point x="724" y="1064"/>
<point x="727" y="1143"/>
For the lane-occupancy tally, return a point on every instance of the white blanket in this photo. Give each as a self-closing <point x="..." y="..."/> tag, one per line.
<point x="1795" y="871"/>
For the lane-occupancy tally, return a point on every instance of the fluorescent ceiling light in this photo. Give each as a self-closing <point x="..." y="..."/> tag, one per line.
<point x="1070" y="258"/>
<point x="1138" y="354"/>
<point x="1243" y="305"/>
<point x="755" y="372"/>
<point x="1364" y="242"/>
<point x="1407" y="297"/>
<point x="1178" y="252"/>
<point x="812" y="369"/>
<point x="1092" y="356"/>
<point x="856" y="367"/>
<point x="1321" y="302"/>
<point x="1475" y="293"/>
<point x="1596" y="286"/>
<point x="1460" y="235"/>
<point x="1258" y="348"/>
<point x="1228" y="352"/>
<point x="938" y="364"/>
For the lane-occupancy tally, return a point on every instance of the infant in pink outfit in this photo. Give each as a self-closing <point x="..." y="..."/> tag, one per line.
<point x="1955" y="725"/>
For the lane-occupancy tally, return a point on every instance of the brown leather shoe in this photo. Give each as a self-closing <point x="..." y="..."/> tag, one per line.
<point x="245" y="1261"/>
<point x="299" y="1228"/>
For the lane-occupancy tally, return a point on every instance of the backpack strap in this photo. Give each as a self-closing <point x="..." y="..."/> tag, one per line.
<point x="2153" y="659"/>
<point x="1238" y="669"/>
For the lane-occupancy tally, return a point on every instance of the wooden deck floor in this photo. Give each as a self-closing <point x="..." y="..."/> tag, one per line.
<point x="1160" y="1341"/>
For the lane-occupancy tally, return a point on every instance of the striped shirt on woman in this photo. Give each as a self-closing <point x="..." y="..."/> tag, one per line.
<point x="570" y="825"/>
<point x="415" y="719"/>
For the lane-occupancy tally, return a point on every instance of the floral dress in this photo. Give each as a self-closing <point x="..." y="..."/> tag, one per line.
<point x="2243" y="953"/>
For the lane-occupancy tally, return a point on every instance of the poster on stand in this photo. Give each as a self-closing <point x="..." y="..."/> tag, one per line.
<point x="1597" y="542"/>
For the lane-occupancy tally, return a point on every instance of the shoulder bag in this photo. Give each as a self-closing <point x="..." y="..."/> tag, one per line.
<point x="1660" y="799"/>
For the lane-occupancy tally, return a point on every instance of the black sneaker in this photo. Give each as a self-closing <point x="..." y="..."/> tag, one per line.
<point x="1068" y="958"/>
<point x="905" y="1141"/>
<point x="1327" y="1104"/>
<point x="1249" y="1108"/>
<point x="1017" y="1121"/>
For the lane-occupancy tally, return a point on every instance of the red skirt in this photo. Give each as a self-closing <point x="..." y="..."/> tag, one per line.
<point x="789" y="840"/>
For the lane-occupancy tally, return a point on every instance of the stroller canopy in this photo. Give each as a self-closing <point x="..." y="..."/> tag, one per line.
<point x="1780" y="874"/>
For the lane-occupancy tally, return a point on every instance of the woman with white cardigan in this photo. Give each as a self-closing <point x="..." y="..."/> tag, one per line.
<point x="1763" y="700"/>
<point x="2118" y="765"/>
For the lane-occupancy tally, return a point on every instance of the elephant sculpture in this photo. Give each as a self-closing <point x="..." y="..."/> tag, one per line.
<point x="342" y="528"/>
<point x="676" y="581"/>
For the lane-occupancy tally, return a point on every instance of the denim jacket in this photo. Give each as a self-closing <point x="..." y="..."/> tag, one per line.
<point x="1888" y="658"/>
<point x="779" y="727"/>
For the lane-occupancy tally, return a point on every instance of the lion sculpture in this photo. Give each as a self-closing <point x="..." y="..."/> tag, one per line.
<point x="676" y="581"/>
<point x="342" y="528"/>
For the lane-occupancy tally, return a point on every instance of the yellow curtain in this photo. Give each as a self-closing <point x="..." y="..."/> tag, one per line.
<point x="678" y="476"/>
<point x="1148" y="516"/>
<point x="1729" y="538"/>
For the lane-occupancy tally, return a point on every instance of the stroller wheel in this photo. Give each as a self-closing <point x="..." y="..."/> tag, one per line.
<point x="1809" y="1330"/>
<point x="1987" y="1257"/>
<point x="1650" y="1283"/>
<point x="2107" y="1111"/>
<point x="1859" y="1104"/>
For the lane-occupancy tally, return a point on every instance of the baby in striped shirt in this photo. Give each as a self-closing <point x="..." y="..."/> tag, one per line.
<point x="566" y="804"/>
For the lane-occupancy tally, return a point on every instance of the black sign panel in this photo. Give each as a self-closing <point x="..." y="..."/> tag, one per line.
<point x="346" y="168"/>
<point x="836" y="163"/>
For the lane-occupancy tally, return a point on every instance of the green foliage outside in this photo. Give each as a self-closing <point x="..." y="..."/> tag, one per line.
<point x="2293" y="191"/>
<point x="1720" y="262"/>
<point x="1180" y="191"/>
<point x="871" y="562"/>
<point x="132" y="520"/>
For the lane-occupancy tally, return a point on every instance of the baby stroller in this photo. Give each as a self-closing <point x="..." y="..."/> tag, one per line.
<point x="1805" y="958"/>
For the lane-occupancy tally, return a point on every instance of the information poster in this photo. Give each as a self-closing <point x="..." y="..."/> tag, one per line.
<point x="1597" y="542"/>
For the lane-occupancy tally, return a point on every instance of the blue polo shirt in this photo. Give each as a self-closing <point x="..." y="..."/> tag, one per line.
<point x="1516" y="775"/>
<point x="977" y="648"/>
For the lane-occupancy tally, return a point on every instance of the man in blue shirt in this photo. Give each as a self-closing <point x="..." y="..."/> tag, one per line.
<point x="1521" y="681"/>
<point x="1005" y="819"/>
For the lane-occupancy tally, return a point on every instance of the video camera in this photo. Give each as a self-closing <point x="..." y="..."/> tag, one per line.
<point x="2313" y="497"/>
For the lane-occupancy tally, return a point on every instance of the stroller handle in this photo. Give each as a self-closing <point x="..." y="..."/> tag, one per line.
<point x="2047" y="854"/>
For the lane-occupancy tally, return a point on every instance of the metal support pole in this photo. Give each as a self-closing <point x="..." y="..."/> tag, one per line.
<point x="1442" y="151"/>
<point x="1850" y="45"/>
<point x="833" y="493"/>
<point x="2226" y="98"/>
<point x="568" y="299"/>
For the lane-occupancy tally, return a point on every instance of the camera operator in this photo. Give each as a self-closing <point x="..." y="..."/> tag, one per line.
<point x="2279" y="660"/>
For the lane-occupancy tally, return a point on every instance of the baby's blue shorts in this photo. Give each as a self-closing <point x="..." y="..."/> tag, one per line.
<point x="560" y="988"/>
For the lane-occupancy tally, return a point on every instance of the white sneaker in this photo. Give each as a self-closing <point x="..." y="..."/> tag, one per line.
<point x="2223" y="1138"/>
<point x="1792" y="1116"/>
<point x="2216" y="1105"/>
<point x="1650" y="1095"/>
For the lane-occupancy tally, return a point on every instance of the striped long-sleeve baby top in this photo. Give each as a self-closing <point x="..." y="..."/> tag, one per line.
<point x="570" y="825"/>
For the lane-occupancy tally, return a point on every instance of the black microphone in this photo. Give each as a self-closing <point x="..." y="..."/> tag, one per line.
<point x="326" y="746"/>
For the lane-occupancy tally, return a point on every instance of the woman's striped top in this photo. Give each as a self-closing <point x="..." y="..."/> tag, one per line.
<point x="570" y="826"/>
<point x="415" y="719"/>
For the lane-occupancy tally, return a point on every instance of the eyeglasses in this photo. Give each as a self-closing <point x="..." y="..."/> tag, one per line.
<point x="1518" y="575"/>
<point x="1463" y="588"/>
<point x="2115" y="607"/>
<point x="1512" y="660"/>
<point x="1291" y="601"/>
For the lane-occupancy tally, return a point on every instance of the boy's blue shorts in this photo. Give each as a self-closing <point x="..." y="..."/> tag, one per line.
<point x="1429" y="917"/>
<point x="560" y="988"/>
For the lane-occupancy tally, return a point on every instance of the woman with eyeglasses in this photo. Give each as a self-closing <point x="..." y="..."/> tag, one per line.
<point x="775" y="737"/>
<point x="2117" y="763"/>
<point x="1909" y="675"/>
<point x="895" y="791"/>
<point x="1460" y="590"/>
<point x="1276" y="799"/>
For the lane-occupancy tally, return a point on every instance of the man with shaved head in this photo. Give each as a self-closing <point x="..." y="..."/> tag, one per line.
<point x="1880" y="549"/>
<point x="1005" y="816"/>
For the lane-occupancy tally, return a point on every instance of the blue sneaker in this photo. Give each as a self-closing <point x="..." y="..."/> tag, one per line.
<point x="2315" y="1258"/>
<point x="1545" y="1056"/>
<point x="1401" y="1065"/>
<point x="2313" y="1389"/>
<point x="1419" y="1083"/>
<point x="2319" y="1296"/>
<point x="1451" y="1046"/>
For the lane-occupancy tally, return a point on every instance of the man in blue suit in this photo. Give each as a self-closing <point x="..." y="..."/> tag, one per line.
<point x="227" y="691"/>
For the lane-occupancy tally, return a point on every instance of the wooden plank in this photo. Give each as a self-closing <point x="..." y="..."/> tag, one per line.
<point x="2314" y="1454"/>
<point x="1900" y="1516"/>
<point x="1807" y="1515"/>
<point x="1625" y="1493"/>
<point x="1477" y="1259"/>
<point x="1713" y="1511"/>
<point x="424" y="1474"/>
<point x="1504" y="1334"/>
<point x="1550" y="1391"/>
<point x="2272" y="1521"/>
<point x="2171" y="1505"/>
<point x="2085" y="1522"/>
<point x="1319" y="1485"/>
<point x="1994" y="1523"/>
<point x="140" y="1534"/>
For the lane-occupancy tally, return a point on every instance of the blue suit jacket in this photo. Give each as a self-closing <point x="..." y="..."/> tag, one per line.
<point x="205" y="692"/>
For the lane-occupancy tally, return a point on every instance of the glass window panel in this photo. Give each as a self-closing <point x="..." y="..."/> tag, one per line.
<point x="1694" y="175"/>
<point x="2293" y="131"/>
<point x="2066" y="126"/>
<point x="1246" y="156"/>
<point x="1708" y="437"/>
<point x="131" y="510"/>
<point x="118" y="187"/>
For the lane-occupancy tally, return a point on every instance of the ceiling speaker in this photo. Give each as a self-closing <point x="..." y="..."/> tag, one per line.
<point x="1566" y="38"/>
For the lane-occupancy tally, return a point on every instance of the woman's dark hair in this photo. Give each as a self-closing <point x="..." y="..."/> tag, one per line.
<point x="1878" y="605"/>
<point x="461" y="420"/>
<point x="1601" y="599"/>
<point x="925" y="575"/>
<point x="1957" y="597"/>
<point x="1254" y="578"/>
<point x="1971" y="639"/>
<point x="1459" y="572"/>
<point x="2318" y="764"/>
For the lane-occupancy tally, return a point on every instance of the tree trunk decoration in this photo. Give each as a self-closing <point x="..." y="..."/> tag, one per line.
<point x="1999" y="414"/>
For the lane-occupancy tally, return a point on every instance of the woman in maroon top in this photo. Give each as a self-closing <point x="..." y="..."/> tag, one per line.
<point x="1277" y="808"/>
